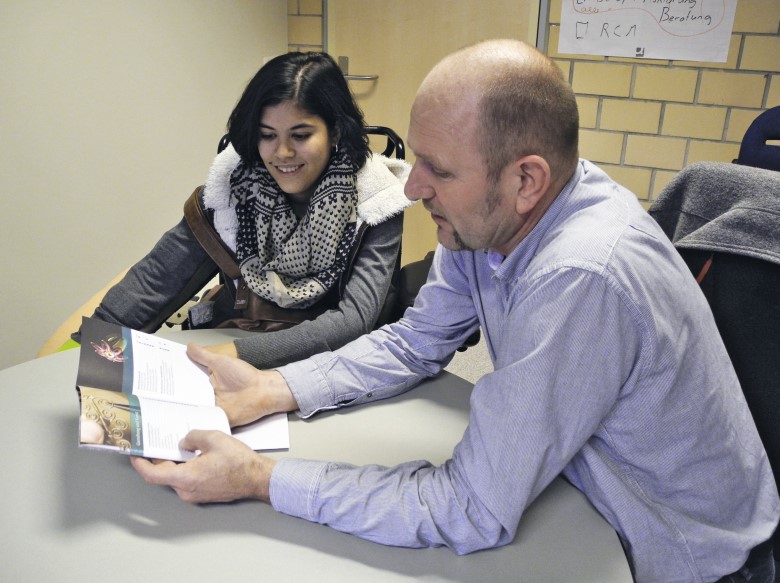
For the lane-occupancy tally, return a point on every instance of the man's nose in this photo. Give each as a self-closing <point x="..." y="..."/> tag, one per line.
<point x="416" y="188"/>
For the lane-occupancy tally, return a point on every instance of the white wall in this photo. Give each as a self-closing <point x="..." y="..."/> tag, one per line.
<point x="110" y="113"/>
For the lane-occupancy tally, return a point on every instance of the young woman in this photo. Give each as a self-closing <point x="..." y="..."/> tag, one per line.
<point x="312" y="218"/>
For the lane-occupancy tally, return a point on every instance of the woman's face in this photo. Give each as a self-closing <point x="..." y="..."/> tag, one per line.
<point x="295" y="147"/>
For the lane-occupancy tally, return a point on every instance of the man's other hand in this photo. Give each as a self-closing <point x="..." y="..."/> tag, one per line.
<point x="242" y="391"/>
<point x="225" y="470"/>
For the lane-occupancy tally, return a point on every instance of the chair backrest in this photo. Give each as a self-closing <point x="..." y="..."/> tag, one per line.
<point x="744" y="295"/>
<point x="395" y="145"/>
<point x="723" y="220"/>
<point x="756" y="150"/>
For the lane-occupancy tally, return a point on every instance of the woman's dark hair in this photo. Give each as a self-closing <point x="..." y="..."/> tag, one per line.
<point x="313" y="82"/>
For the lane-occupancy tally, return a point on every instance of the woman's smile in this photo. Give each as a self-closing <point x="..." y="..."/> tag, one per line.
<point x="288" y="169"/>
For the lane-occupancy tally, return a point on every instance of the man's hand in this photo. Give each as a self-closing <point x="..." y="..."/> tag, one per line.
<point x="225" y="470"/>
<point x="245" y="393"/>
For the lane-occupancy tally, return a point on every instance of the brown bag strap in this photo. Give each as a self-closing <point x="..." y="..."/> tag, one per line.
<point x="253" y="306"/>
<point x="260" y="309"/>
<point x="207" y="236"/>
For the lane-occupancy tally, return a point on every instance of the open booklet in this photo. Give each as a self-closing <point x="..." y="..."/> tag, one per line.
<point x="141" y="394"/>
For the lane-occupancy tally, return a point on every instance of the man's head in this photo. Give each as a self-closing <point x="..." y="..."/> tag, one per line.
<point x="494" y="128"/>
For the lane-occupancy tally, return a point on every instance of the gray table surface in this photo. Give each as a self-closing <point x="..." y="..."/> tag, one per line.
<point x="74" y="515"/>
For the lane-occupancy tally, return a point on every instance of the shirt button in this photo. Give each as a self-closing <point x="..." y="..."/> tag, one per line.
<point x="369" y="395"/>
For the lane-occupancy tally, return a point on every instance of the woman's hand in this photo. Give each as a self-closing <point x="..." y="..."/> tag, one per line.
<point x="229" y="349"/>
<point x="242" y="391"/>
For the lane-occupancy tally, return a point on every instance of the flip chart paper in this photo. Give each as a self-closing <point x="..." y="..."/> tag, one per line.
<point x="680" y="30"/>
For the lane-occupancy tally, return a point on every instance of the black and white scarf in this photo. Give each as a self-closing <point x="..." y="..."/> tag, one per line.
<point x="288" y="261"/>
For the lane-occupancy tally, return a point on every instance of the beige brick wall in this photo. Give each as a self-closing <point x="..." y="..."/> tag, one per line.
<point x="304" y="25"/>
<point x="644" y="120"/>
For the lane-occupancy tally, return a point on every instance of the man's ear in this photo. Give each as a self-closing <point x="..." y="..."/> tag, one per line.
<point x="532" y="178"/>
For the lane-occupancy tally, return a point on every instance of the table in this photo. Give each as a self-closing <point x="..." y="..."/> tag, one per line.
<point x="75" y="515"/>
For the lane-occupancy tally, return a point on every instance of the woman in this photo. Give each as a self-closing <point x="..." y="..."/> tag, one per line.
<point x="313" y="219"/>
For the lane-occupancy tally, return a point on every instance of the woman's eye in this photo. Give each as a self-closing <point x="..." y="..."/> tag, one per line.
<point x="266" y="137"/>
<point x="301" y="137"/>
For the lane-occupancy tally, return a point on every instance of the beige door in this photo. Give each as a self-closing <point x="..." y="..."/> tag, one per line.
<point x="400" y="40"/>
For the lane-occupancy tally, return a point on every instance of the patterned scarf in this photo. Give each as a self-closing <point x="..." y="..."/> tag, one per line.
<point x="288" y="261"/>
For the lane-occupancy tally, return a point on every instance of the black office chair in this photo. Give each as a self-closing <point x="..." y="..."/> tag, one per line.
<point x="755" y="149"/>
<point x="723" y="219"/>
<point x="395" y="145"/>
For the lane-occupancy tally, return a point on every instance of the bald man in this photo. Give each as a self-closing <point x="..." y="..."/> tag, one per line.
<point x="608" y="366"/>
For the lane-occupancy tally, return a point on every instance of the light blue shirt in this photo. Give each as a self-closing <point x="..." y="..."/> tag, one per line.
<point x="608" y="369"/>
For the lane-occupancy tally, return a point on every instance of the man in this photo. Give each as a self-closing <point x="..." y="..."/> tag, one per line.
<point x="608" y="365"/>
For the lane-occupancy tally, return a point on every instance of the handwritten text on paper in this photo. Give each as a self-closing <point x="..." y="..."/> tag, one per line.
<point x="694" y="30"/>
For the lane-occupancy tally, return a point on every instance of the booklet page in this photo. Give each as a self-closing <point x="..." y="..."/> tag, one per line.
<point x="164" y="425"/>
<point x="162" y="370"/>
<point x="270" y="432"/>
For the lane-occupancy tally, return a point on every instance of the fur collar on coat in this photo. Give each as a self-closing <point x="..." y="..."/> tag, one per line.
<point x="380" y="187"/>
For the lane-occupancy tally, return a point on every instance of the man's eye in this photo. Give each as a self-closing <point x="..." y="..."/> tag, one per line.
<point x="437" y="172"/>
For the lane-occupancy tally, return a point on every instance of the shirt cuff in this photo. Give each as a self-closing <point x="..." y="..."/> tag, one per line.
<point x="309" y="386"/>
<point x="293" y="486"/>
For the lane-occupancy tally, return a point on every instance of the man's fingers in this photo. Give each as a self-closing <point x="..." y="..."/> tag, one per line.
<point x="154" y="473"/>
<point x="199" y="440"/>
